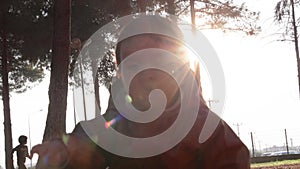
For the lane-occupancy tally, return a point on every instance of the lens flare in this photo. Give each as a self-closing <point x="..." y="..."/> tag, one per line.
<point x="108" y="124"/>
<point x="65" y="139"/>
<point x="128" y="99"/>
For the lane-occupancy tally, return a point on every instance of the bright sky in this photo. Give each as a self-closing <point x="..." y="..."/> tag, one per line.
<point x="261" y="89"/>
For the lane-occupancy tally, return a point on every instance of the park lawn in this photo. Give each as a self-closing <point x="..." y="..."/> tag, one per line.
<point x="275" y="163"/>
<point x="258" y="165"/>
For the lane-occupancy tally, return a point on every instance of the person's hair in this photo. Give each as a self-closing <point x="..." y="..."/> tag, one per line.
<point x="22" y="139"/>
<point x="155" y="26"/>
<point x="158" y="38"/>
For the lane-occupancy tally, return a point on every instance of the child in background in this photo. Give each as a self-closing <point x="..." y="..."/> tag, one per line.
<point x="22" y="152"/>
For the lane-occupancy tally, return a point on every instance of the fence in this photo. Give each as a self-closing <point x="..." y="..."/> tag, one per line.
<point x="272" y="142"/>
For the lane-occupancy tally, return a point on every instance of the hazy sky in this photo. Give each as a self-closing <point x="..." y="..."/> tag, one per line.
<point x="261" y="88"/>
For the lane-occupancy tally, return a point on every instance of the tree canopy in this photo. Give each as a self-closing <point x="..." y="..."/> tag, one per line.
<point x="31" y="31"/>
<point x="23" y="68"/>
<point x="284" y="19"/>
<point x="22" y="72"/>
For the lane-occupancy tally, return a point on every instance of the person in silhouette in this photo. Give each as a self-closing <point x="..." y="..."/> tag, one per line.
<point x="222" y="150"/>
<point x="22" y="152"/>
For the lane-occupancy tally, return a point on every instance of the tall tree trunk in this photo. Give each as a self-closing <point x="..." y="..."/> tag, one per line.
<point x="193" y="20"/>
<point x="5" y="89"/>
<point x="96" y="87"/>
<point x="58" y="88"/>
<point x="296" y="41"/>
<point x="171" y="7"/>
<point x="198" y="76"/>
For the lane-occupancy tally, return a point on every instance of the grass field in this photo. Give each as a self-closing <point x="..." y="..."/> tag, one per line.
<point x="286" y="164"/>
<point x="276" y="164"/>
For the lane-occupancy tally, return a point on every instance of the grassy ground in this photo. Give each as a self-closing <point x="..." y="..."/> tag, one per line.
<point x="267" y="165"/>
<point x="275" y="163"/>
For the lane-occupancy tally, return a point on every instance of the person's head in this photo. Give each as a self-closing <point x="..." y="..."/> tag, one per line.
<point x="147" y="80"/>
<point x="153" y="27"/>
<point x="23" y="139"/>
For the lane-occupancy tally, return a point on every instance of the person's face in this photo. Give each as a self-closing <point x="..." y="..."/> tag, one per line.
<point x="147" y="80"/>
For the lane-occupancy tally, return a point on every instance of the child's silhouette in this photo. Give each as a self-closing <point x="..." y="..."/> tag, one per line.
<point x="22" y="152"/>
